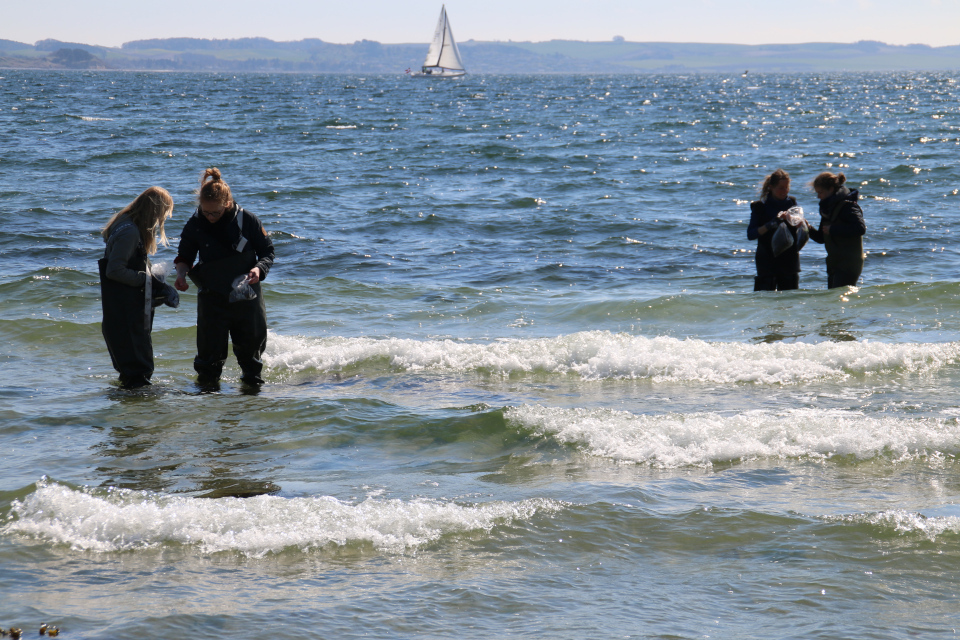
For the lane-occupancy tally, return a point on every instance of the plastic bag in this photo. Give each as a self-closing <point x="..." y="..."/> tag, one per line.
<point x="782" y="239"/>
<point x="162" y="293"/>
<point x="794" y="216"/>
<point x="159" y="271"/>
<point x="242" y="289"/>
<point x="802" y="236"/>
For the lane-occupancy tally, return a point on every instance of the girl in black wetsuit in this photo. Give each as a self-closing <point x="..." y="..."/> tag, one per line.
<point x="230" y="243"/>
<point x="126" y="286"/>
<point x="775" y="272"/>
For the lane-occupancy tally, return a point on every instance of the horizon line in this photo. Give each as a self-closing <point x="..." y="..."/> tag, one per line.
<point x="614" y="40"/>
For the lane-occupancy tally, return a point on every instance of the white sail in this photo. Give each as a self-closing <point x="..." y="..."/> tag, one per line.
<point x="443" y="57"/>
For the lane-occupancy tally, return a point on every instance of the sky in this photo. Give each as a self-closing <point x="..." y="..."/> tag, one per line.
<point x="113" y="22"/>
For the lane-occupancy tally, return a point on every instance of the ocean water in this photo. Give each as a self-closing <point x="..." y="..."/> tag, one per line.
<point x="518" y="383"/>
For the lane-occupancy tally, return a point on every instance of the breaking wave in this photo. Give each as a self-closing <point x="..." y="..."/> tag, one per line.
<point x="600" y="355"/>
<point x="107" y="520"/>
<point x="703" y="439"/>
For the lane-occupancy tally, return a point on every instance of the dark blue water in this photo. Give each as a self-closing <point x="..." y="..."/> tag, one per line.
<point x="518" y="381"/>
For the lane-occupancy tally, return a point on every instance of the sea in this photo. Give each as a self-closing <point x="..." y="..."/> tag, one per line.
<point x="518" y="383"/>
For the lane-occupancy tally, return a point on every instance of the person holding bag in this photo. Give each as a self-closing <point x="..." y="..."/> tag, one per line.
<point x="780" y="235"/>
<point x="234" y="252"/>
<point x="129" y="291"/>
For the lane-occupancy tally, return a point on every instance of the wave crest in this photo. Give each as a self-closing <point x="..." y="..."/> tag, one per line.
<point x="904" y="522"/>
<point x="599" y="355"/>
<point x="108" y="520"/>
<point x="704" y="439"/>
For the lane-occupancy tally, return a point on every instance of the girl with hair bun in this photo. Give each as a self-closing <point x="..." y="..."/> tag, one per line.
<point x="129" y="292"/>
<point x="841" y="229"/>
<point x="775" y="271"/>
<point x="234" y="251"/>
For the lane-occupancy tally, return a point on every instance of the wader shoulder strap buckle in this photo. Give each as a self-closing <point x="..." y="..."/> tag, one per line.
<point x="242" y="242"/>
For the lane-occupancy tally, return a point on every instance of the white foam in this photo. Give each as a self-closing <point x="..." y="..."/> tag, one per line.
<point x="597" y="355"/>
<point x="89" y="118"/>
<point x="905" y="522"/>
<point x="702" y="439"/>
<point x="118" y="520"/>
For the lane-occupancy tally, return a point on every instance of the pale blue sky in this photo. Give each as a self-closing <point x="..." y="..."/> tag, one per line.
<point x="113" y="22"/>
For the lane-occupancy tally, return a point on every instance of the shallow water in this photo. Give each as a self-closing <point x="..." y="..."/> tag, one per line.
<point x="519" y="384"/>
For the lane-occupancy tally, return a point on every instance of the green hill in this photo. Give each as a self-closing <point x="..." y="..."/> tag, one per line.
<point x="555" y="56"/>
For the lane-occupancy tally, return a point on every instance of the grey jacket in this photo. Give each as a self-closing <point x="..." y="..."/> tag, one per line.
<point x="121" y="245"/>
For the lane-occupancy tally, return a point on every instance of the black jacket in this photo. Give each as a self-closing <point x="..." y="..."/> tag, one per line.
<point x="219" y="240"/>
<point x="844" y="243"/>
<point x="762" y="212"/>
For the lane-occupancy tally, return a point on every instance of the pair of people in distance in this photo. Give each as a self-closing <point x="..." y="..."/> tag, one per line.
<point x="235" y="255"/>
<point x="781" y="233"/>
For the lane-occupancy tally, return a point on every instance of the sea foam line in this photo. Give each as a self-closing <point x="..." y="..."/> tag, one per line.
<point x="703" y="439"/>
<point x="89" y="118"/>
<point x="597" y="355"/>
<point x="120" y="520"/>
<point x="904" y="522"/>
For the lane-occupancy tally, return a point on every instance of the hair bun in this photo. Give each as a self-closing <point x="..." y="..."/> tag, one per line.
<point x="214" y="189"/>
<point x="213" y="173"/>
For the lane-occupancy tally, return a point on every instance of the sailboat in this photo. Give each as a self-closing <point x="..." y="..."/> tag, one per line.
<point x="443" y="57"/>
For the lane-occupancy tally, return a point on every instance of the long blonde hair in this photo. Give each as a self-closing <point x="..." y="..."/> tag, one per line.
<point x="148" y="211"/>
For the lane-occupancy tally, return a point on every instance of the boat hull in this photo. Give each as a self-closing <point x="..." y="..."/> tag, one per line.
<point x="439" y="74"/>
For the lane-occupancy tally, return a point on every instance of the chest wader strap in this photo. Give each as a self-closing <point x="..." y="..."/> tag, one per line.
<point x="147" y="297"/>
<point x="242" y="242"/>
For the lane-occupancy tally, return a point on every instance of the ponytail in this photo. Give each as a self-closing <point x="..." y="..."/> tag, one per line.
<point x="214" y="189"/>
<point x="827" y="181"/>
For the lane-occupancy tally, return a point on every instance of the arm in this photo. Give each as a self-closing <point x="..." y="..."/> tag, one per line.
<point x="263" y="245"/>
<point x="816" y="234"/>
<point x="122" y="245"/>
<point x="756" y="223"/>
<point x="186" y="254"/>
<point x="758" y="227"/>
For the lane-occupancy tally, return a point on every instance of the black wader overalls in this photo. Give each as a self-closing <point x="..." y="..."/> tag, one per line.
<point x="126" y="324"/>
<point x="244" y="321"/>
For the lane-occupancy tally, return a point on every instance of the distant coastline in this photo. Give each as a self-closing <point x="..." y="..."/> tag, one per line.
<point x="555" y="56"/>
